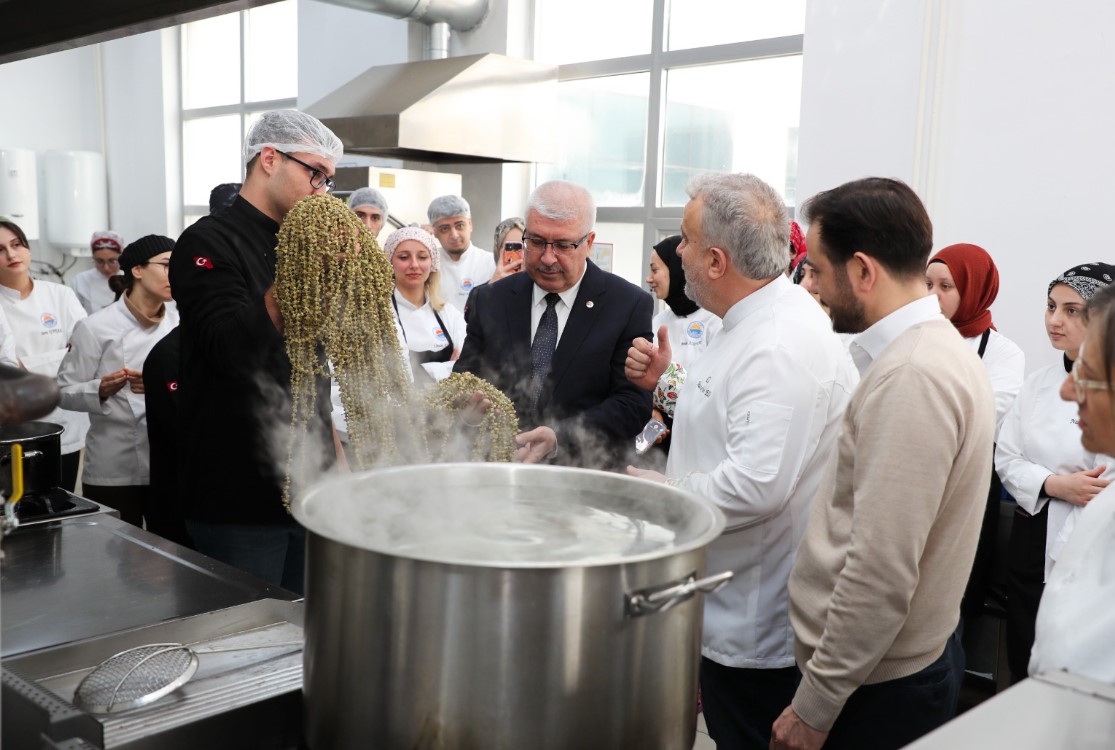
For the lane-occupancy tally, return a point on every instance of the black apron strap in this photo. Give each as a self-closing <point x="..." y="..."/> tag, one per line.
<point x="982" y="341"/>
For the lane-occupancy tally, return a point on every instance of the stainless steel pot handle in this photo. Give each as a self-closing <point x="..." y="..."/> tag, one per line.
<point x="661" y="598"/>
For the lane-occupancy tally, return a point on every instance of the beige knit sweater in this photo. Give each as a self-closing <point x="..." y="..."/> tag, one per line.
<point x="875" y="591"/>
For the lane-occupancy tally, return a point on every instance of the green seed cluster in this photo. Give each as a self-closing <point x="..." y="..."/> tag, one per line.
<point x="333" y="285"/>
<point x="495" y="435"/>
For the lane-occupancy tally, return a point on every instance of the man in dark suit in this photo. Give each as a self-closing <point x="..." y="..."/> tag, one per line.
<point x="555" y="338"/>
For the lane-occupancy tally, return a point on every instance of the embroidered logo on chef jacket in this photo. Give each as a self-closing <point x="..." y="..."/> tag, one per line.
<point x="466" y="285"/>
<point x="48" y="320"/>
<point x="439" y="335"/>
<point x="695" y="330"/>
<point x="705" y="387"/>
<point x="202" y="262"/>
<point x="172" y="385"/>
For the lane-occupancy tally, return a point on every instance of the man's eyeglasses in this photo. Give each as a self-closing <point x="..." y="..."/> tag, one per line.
<point x="318" y="179"/>
<point x="107" y="263"/>
<point x="1081" y="387"/>
<point x="561" y="247"/>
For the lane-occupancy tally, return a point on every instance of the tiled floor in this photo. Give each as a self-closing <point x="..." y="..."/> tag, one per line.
<point x="704" y="742"/>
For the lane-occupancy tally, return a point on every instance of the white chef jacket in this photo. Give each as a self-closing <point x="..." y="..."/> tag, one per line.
<point x="92" y="290"/>
<point x="689" y="336"/>
<point x="424" y="334"/>
<point x="1039" y="437"/>
<point x="43" y="324"/>
<point x="1006" y="368"/>
<point x="8" y="355"/>
<point x="458" y="277"/>
<point x="755" y="422"/>
<point x="1075" y="628"/>
<point x="116" y="449"/>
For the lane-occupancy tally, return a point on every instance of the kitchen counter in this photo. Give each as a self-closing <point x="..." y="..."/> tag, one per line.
<point x="92" y="575"/>
<point x="1047" y="712"/>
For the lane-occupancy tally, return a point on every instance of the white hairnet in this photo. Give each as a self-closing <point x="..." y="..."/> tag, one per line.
<point x="401" y="235"/>
<point x="291" y="130"/>
<point x="447" y="205"/>
<point x="367" y="196"/>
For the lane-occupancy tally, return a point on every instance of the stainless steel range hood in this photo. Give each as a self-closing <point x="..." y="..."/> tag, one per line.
<point x="476" y="108"/>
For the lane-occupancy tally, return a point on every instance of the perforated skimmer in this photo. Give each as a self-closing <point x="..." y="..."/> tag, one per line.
<point x="136" y="677"/>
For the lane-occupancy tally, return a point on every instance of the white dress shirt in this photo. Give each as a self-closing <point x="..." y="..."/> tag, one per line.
<point x="1075" y="628"/>
<point x="42" y="324"/>
<point x="563" y="307"/>
<point x="755" y="421"/>
<point x="867" y="346"/>
<point x="458" y="277"/>
<point x="1040" y="437"/>
<point x="116" y="449"/>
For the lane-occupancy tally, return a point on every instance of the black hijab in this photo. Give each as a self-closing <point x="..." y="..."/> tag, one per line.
<point x="667" y="250"/>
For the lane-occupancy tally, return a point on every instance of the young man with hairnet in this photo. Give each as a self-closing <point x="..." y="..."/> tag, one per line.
<point x="464" y="265"/>
<point x="234" y="385"/>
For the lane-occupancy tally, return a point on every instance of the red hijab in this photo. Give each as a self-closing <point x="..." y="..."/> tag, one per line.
<point x="977" y="280"/>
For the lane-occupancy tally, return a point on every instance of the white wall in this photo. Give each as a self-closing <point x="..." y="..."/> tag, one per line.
<point x="53" y="102"/>
<point x="996" y="112"/>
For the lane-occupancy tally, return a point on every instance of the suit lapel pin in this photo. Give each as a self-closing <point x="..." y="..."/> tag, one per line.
<point x="588" y="304"/>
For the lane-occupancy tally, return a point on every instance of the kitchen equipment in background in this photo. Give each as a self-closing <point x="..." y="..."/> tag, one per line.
<point x="19" y="192"/>
<point x="76" y="192"/>
<point x="502" y="605"/>
<point x="42" y="450"/>
<point x="408" y="191"/>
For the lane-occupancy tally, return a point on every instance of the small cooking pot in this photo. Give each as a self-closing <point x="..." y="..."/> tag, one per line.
<point x="42" y="456"/>
<point x="488" y="606"/>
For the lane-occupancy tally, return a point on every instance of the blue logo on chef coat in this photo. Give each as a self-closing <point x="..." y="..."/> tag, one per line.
<point x="695" y="330"/>
<point x="48" y="320"/>
<point x="466" y="285"/>
<point x="440" y="335"/>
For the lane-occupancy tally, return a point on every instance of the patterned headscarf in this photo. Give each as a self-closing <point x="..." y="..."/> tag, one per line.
<point x="403" y="234"/>
<point x="1085" y="279"/>
<point x="977" y="281"/>
<point x="797" y="245"/>
<point x="667" y="250"/>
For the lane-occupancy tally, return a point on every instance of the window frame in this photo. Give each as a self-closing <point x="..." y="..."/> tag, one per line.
<point x="654" y="218"/>
<point x="243" y="108"/>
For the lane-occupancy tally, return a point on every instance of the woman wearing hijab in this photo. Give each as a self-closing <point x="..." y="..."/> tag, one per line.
<point x="966" y="282"/>
<point x="688" y="327"/>
<point x="1076" y="622"/>
<point x="1042" y="463"/>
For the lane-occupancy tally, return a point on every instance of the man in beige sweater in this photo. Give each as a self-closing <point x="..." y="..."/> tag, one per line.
<point x="875" y="591"/>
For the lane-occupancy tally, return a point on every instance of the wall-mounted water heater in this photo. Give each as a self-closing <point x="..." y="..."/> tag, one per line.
<point x="19" y="192"/>
<point x="76" y="198"/>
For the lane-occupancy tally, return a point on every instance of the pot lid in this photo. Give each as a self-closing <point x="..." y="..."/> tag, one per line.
<point x="508" y="515"/>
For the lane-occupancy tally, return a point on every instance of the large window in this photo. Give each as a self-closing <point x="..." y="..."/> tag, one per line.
<point x="233" y="68"/>
<point x="654" y="92"/>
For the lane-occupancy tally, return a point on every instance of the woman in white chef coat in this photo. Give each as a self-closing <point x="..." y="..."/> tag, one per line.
<point x="42" y="316"/>
<point x="433" y="330"/>
<point x="1042" y="463"/>
<point x="966" y="282"/>
<point x="103" y="375"/>
<point x="92" y="286"/>
<point x="689" y="328"/>
<point x="1076" y="622"/>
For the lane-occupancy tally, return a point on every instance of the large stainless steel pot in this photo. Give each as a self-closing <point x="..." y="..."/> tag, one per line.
<point x="42" y="456"/>
<point x="503" y="606"/>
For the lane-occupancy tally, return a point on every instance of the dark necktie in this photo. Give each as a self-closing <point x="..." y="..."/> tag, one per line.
<point x="542" y="350"/>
